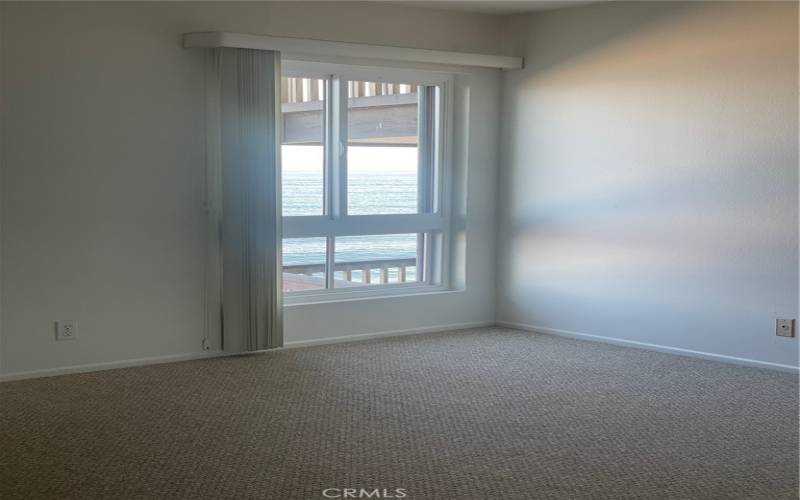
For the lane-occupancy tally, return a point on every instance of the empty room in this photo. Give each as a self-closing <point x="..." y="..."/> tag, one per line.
<point x="448" y="250"/>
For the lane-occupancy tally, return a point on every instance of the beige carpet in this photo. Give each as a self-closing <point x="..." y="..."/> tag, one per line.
<point x="479" y="414"/>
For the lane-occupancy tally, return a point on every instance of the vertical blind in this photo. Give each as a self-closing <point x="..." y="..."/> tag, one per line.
<point x="243" y="179"/>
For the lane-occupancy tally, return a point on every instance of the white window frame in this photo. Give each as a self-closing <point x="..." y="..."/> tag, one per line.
<point x="335" y="222"/>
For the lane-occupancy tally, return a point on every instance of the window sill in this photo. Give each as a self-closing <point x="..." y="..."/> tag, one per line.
<point x="330" y="297"/>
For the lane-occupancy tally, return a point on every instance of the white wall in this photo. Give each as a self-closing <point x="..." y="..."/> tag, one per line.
<point x="648" y="192"/>
<point x="102" y="176"/>
<point x="649" y="189"/>
<point x="2" y="156"/>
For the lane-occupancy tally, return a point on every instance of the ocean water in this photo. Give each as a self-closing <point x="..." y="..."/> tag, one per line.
<point x="372" y="189"/>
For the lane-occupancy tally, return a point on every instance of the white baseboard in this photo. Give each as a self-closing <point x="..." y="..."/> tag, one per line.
<point x="91" y="367"/>
<point x="387" y="333"/>
<point x="110" y="365"/>
<point x="650" y="347"/>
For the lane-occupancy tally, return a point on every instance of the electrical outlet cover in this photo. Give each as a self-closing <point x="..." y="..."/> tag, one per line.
<point x="66" y="330"/>
<point x="784" y="328"/>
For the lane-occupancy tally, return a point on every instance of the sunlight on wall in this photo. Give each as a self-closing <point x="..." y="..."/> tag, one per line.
<point x="650" y="176"/>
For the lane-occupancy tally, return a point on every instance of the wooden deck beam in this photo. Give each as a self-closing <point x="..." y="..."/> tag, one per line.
<point x="396" y="114"/>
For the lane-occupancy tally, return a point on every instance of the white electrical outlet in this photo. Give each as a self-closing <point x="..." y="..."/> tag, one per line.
<point x="784" y="328"/>
<point x="66" y="330"/>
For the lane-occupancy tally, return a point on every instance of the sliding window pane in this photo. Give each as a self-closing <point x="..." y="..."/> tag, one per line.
<point x="382" y="163"/>
<point x="304" y="264"/>
<point x="302" y="145"/>
<point x="376" y="259"/>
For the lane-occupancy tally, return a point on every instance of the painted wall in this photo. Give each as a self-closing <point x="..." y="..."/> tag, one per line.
<point x="102" y="177"/>
<point x="2" y="156"/>
<point x="649" y="186"/>
<point x="648" y="189"/>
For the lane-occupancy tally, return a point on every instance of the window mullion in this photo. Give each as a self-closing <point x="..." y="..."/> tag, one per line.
<point x="422" y="264"/>
<point x="328" y="166"/>
<point x="330" y="176"/>
<point x="343" y="137"/>
<point x="338" y="148"/>
<point x="336" y="187"/>
<point x="330" y="262"/>
<point x="426" y="160"/>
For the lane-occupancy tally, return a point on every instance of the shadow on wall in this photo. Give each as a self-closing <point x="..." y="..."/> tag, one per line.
<point x="650" y="173"/>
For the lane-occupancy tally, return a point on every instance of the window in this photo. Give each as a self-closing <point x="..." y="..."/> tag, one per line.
<point x="304" y="263"/>
<point x="382" y="149"/>
<point x="302" y="146"/>
<point x="362" y="169"/>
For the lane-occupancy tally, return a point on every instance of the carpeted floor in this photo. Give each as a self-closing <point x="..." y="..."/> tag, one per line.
<point x="478" y="414"/>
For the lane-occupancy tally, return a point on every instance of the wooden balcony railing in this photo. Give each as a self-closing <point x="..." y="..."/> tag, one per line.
<point x="365" y="267"/>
